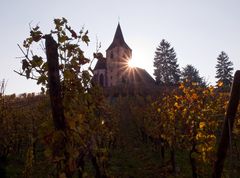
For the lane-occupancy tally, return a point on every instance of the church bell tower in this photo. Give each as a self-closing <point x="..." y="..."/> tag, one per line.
<point x="118" y="55"/>
<point x="113" y="70"/>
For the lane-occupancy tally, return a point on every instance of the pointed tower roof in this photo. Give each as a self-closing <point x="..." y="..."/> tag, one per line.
<point x="118" y="39"/>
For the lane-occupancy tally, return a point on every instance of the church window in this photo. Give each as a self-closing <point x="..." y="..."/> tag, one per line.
<point x="101" y="80"/>
<point x="111" y="55"/>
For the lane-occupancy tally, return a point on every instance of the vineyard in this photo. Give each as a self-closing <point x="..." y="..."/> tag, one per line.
<point x="73" y="130"/>
<point x="174" y="134"/>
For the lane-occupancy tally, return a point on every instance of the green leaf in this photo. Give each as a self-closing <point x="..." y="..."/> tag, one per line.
<point x="68" y="74"/>
<point x="64" y="20"/>
<point x="57" y="23"/>
<point x="45" y="66"/>
<point x="28" y="71"/>
<point x="62" y="38"/>
<point x="37" y="61"/>
<point x="42" y="90"/>
<point x="36" y="28"/>
<point x="85" y="38"/>
<point x="25" y="64"/>
<point x="36" y="35"/>
<point x="27" y="42"/>
<point x="42" y="79"/>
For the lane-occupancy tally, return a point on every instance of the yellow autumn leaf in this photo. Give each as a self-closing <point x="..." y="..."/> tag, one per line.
<point x="194" y="96"/>
<point x="204" y="156"/>
<point x="177" y="105"/>
<point x="158" y="110"/>
<point x="220" y="84"/>
<point x="177" y="97"/>
<point x="202" y="125"/>
<point x="184" y="110"/>
<point x="181" y="86"/>
<point x="209" y="148"/>
<point x="211" y="88"/>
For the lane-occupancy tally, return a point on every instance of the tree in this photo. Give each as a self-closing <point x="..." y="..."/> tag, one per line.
<point x="190" y="74"/>
<point x="165" y="62"/>
<point x="224" y="70"/>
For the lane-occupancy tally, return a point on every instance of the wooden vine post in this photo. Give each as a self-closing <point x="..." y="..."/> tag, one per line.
<point x="54" y="83"/>
<point x="228" y="124"/>
<point x="56" y="99"/>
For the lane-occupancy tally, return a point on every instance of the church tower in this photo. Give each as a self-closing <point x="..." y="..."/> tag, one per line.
<point x="117" y="56"/>
<point x="113" y="71"/>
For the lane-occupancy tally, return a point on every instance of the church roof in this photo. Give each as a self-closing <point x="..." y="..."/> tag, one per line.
<point x="118" y="39"/>
<point x="101" y="64"/>
<point x="141" y="76"/>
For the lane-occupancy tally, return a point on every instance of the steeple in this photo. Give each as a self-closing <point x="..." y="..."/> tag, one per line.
<point x="118" y="39"/>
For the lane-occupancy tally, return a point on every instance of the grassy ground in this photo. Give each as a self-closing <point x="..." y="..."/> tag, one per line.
<point x="132" y="157"/>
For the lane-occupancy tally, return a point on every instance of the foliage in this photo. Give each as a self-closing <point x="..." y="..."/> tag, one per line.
<point x="71" y="57"/>
<point x="165" y="63"/>
<point x="90" y="120"/>
<point x="185" y="119"/>
<point x="20" y="118"/>
<point x="224" y="71"/>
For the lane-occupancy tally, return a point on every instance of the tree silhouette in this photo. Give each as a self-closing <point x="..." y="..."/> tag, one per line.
<point x="190" y="74"/>
<point x="224" y="70"/>
<point x="165" y="62"/>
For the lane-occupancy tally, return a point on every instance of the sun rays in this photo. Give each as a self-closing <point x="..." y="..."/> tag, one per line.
<point x="132" y="63"/>
<point x="130" y="71"/>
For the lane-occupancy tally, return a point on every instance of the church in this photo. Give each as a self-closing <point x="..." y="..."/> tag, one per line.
<point x="114" y="71"/>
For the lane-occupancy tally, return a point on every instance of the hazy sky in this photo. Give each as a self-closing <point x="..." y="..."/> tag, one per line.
<point x="198" y="30"/>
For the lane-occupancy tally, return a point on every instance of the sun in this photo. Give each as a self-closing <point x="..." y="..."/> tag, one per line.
<point x="132" y="63"/>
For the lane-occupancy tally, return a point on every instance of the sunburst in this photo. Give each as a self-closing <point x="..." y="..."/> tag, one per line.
<point x="129" y="69"/>
<point x="131" y="63"/>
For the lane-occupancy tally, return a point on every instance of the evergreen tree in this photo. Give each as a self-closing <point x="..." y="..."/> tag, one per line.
<point x="165" y="62"/>
<point x="190" y="74"/>
<point x="224" y="73"/>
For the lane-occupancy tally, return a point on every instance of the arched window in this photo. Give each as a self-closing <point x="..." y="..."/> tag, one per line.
<point x="101" y="80"/>
<point x="111" y="55"/>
